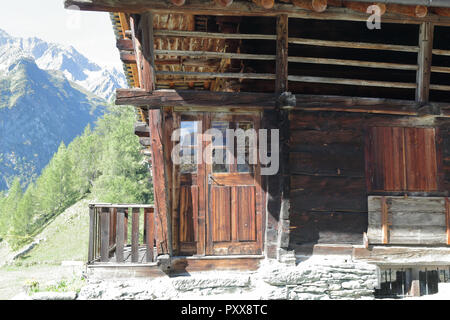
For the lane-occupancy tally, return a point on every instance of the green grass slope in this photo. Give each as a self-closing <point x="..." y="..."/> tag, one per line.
<point x="65" y="238"/>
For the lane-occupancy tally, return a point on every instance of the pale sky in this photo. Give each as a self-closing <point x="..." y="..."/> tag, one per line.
<point x="90" y="33"/>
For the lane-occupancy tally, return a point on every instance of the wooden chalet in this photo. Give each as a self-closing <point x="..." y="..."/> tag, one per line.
<point x="364" y="120"/>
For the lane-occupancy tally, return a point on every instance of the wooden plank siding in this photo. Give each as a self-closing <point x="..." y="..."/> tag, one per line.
<point x="328" y="160"/>
<point x="412" y="220"/>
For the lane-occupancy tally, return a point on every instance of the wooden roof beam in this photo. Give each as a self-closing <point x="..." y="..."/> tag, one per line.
<point x="313" y="5"/>
<point x="224" y="3"/>
<point x="363" y="6"/>
<point x="266" y="4"/>
<point x="178" y="3"/>
<point x="241" y="8"/>
<point x="412" y="11"/>
<point x="442" y="11"/>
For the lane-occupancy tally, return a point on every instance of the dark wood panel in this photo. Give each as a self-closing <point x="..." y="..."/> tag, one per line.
<point x="246" y="213"/>
<point x="327" y="227"/>
<point x="326" y="163"/>
<point x="325" y="137"/>
<point x="221" y="213"/>
<point x="188" y="208"/>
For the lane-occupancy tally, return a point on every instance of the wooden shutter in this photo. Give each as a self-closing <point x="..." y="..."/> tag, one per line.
<point x="421" y="164"/>
<point x="401" y="159"/>
<point x="386" y="159"/>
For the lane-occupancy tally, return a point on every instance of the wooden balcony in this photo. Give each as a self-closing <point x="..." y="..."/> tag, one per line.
<point x="122" y="233"/>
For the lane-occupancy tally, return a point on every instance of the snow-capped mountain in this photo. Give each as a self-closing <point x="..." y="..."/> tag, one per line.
<point x="75" y="67"/>
<point x="39" y="109"/>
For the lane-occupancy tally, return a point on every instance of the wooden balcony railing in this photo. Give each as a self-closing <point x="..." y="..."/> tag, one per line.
<point x="115" y="236"/>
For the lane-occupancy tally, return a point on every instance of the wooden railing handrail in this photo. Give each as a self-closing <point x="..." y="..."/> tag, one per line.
<point x="120" y="205"/>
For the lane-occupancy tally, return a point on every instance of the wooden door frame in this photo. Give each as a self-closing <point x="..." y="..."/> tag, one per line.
<point x="202" y="180"/>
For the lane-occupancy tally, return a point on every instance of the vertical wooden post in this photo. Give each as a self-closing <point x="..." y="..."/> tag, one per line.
<point x="91" y="233"/>
<point x="142" y="36"/>
<point x="424" y="58"/>
<point x="135" y="235"/>
<point x="125" y="227"/>
<point x="160" y="182"/>
<point x="447" y="218"/>
<point x="384" y="221"/>
<point x="120" y="234"/>
<point x="175" y="190"/>
<point x="281" y="87"/>
<point x="104" y="232"/>
<point x="150" y="234"/>
<point x="281" y="82"/>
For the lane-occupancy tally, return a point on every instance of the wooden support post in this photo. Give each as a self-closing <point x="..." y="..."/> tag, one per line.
<point x="160" y="183"/>
<point x="120" y="235"/>
<point x="135" y="236"/>
<point x="125" y="230"/>
<point x="104" y="233"/>
<point x="92" y="232"/>
<point x="175" y="190"/>
<point x="150" y="233"/>
<point x="281" y="82"/>
<point x="281" y="87"/>
<point x="384" y="221"/>
<point x="142" y="36"/>
<point x="424" y="62"/>
<point x="447" y="218"/>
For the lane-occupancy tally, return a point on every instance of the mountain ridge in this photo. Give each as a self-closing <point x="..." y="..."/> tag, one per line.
<point x="100" y="80"/>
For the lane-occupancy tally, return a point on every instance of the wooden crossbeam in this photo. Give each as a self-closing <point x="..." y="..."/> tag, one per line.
<point x="212" y="35"/>
<point x="353" y="45"/>
<point x="248" y="100"/>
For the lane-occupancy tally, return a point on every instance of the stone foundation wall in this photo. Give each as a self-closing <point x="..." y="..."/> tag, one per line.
<point x="313" y="279"/>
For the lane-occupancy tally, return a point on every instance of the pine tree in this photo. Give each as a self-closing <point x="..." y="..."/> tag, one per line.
<point x="9" y="208"/>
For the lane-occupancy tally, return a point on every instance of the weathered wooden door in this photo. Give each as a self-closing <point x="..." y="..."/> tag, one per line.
<point x="234" y="220"/>
<point x="220" y="202"/>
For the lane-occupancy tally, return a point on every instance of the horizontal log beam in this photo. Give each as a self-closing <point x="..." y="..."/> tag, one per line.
<point x="353" y="82"/>
<point x="226" y="75"/>
<point x="210" y="54"/>
<point x="241" y="8"/>
<point x="354" y="45"/>
<point x="141" y="129"/>
<point x="239" y="100"/>
<point x="127" y="57"/>
<point x="213" y="35"/>
<point x="125" y="44"/>
<point x="192" y="98"/>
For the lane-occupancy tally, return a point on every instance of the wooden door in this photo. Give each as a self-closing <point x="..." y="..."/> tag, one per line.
<point x="219" y="205"/>
<point x="234" y="220"/>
